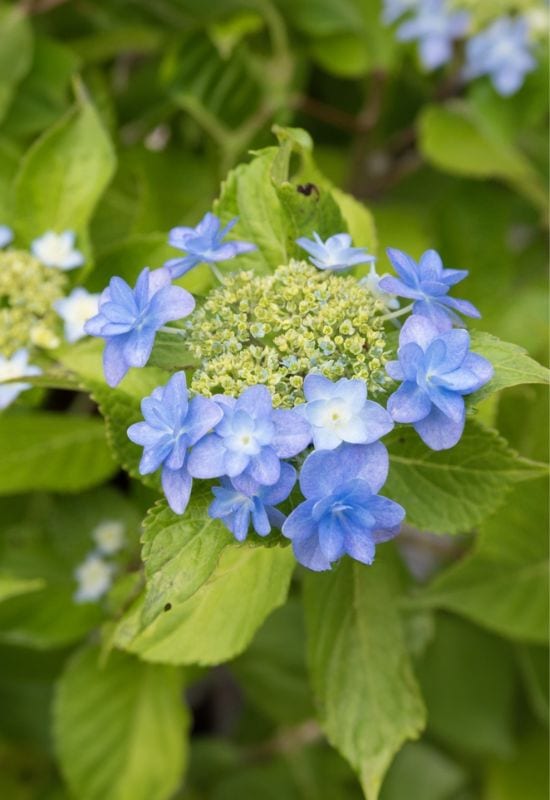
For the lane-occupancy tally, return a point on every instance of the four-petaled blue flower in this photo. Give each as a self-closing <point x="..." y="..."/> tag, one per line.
<point x="251" y="438"/>
<point x="6" y="235"/>
<point x="336" y="253"/>
<point x="501" y="52"/>
<point x="173" y="423"/>
<point x="435" y="27"/>
<point x="342" y="512"/>
<point x="340" y="412"/>
<point x="129" y="319"/>
<point x="428" y="283"/>
<point x="241" y="500"/>
<point x="204" y="244"/>
<point x="437" y="369"/>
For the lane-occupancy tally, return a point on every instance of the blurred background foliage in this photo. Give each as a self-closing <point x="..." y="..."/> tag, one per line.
<point x="184" y="89"/>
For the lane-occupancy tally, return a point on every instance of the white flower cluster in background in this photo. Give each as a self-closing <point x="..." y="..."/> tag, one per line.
<point x="95" y="574"/>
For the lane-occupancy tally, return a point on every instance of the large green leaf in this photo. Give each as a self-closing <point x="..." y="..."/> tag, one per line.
<point x="512" y="364"/>
<point x="369" y="701"/>
<point x="120" y="727"/>
<point x="16" y="45"/>
<point x="453" y="490"/>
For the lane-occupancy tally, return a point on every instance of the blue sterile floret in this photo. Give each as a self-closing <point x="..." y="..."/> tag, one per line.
<point x="172" y="425"/>
<point x="251" y="438"/>
<point x="204" y="244"/>
<point x="428" y="282"/>
<point x="393" y="9"/>
<point x="342" y="513"/>
<point x="129" y="319"/>
<point x="241" y="501"/>
<point x="340" y="412"/>
<point x="336" y="253"/>
<point x="437" y="369"/>
<point x="6" y="235"/>
<point x="435" y="26"/>
<point x="501" y="51"/>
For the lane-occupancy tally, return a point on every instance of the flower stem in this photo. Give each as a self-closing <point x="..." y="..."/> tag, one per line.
<point x="216" y="273"/>
<point x="398" y="313"/>
<point x="168" y="329"/>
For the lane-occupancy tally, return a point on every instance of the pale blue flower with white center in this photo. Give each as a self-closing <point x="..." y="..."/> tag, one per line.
<point x="204" y="244"/>
<point x="436" y="369"/>
<point x="340" y="412"/>
<point x="172" y="425"/>
<point x="15" y="367"/>
<point x="336" y="253"/>
<point x="428" y="282"/>
<point x="75" y="310"/>
<point x="57" y="250"/>
<point x="501" y="51"/>
<point x="6" y="236"/>
<point x="342" y="513"/>
<point x="242" y="501"/>
<point x="372" y="283"/>
<point x="252" y="438"/>
<point x="435" y="26"/>
<point x="94" y="578"/>
<point x="129" y="319"/>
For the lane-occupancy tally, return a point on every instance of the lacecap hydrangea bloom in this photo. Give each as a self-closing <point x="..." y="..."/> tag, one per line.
<point x="435" y="26"/>
<point x="15" y="367"/>
<point x="503" y="52"/>
<point x="57" y="250"/>
<point x="336" y="253"/>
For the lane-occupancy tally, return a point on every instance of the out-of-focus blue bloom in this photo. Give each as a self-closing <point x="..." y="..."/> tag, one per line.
<point x="342" y="512"/>
<point x="435" y="27"/>
<point x="57" y="250"/>
<point x="336" y="253"/>
<point x="75" y="310"/>
<point x="15" y="367"/>
<point x="173" y="423"/>
<point x="241" y="500"/>
<point x="204" y="244"/>
<point x="372" y="283"/>
<point x="437" y="369"/>
<point x="340" y="412"/>
<point x="129" y="319"/>
<point x="251" y="438"/>
<point x="6" y="235"/>
<point x="502" y="52"/>
<point x="393" y="9"/>
<point x="428" y="283"/>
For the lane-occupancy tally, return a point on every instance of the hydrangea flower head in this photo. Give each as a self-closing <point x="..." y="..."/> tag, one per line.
<point x="251" y="438"/>
<point x="173" y="423"/>
<point x="336" y="253"/>
<point x="57" y="250"/>
<point x="435" y="27"/>
<point x="109" y="536"/>
<point x="427" y="282"/>
<point x="342" y="513"/>
<point x="340" y="412"/>
<point x="502" y="52"/>
<point x="371" y="281"/>
<point x="241" y="500"/>
<point x="204" y="244"/>
<point x="15" y="367"/>
<point x="6" y="235"/>
<point x="94" y="577"/>
<point x="129" y="319"/>
<point x="436" y="369"/>
<point x="75" y="310"/>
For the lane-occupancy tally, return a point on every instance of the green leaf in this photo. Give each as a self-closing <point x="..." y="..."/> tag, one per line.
<point x="451" y="491"/>
<point x="512" y="364"/>
<point x="369" y="701"/>
<point x="420" y="772"/>
<point x="12" y="586"/>
<point x="63" y="175"/>
<point x="120" y="727"/>
<point x="51" y="451"/>
<point x="359" y="221"/>
<point x="16" y="44"/>
<point x="503" y="583"/>
<point x="524" y="775"/>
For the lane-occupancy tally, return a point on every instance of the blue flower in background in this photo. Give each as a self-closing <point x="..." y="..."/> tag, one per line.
<point x="336" y="253"/>
<point x="342" y="512"/>
<point x="173" y="423"/>
<point x="437" y="369"/>
<point x="502" y="52"/>
<point x="241" y="500"/>
<point x="393" y="9"/>
<point x="428" y="283"/>
<point x="129" y="319"/>
<point x="435" y="27"/>
<point x="251" y="438"/>
<point x="204" y="244"/>
<point x="6" y="235"/>
<point x="340" y="412"/>
<point x="57" y="250"/>
<point x="15" y="367"/>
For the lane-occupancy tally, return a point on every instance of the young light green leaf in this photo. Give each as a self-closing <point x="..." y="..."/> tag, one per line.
<point x="108" y="721"/>
<point x="13" y="586"/>
<point x="368" y="698"/>
<point x="452" y="491"/>
<point x="16" y="45"/>
<point x="512" y="364"/>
